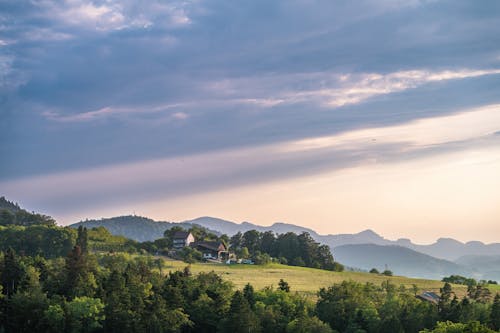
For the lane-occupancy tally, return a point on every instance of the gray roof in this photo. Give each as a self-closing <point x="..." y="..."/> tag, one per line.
<point x="214" y="246"/>
<point x="429" y="296"/>
<point x="181" y="234"/>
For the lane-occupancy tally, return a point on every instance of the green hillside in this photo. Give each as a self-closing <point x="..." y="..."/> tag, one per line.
<point x="137" y="228"/>
<point x="8" y="205"/>
<point x="12" y="214"/>
<point x="302" y="279"/>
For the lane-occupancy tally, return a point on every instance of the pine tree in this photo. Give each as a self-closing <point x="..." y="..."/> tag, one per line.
<point x="444" y="301"/>
<point x="249" y="295"/>
<point x="241" y="318"/>
<point x="495" y="313"/>
<point x="82" y="239"/>
<point x="12" y="272"/>
<point x="118" y="304"/>
<point x="80" y="281"/>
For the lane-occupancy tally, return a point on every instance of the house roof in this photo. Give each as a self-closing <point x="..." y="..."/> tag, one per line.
<point x="181" y="234"/>
<point x="213" y="246"/>
<point x="429" y="296"/>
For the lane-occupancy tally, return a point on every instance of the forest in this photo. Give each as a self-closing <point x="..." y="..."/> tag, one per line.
<point x="57" y="279"/>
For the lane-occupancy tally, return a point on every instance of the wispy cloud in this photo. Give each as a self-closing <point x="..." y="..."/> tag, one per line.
<point x="416" y="135"/>
<point x="328" y="90"/>
<point x="109" y="111"/>
<point x="116" y="15"/>
<point x="333" y="90"/>
<point x="199" y="173"/>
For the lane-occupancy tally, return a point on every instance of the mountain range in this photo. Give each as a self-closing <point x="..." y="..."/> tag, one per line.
<point x="443" y="248"/>
<point x="363" y="250"/>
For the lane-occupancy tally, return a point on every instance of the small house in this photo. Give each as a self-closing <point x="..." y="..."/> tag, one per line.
<point x="182" y="239"/>
<point x="429" y="296"/>
<point x="211" y="250"/>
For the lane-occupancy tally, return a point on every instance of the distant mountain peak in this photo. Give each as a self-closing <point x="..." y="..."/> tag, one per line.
<point x="443" y="248"/>
<point x="474" y="243"/>
<point x="208" y="219"/>
<point x="289" y="225"/>
<point x="246" y="223"/>
<point x="445" y="240"/>
<point x="404" y="242"/>
<point x="369" y="232"/>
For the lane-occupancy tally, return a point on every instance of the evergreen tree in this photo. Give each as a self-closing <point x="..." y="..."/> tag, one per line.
<point x="162" y="320"/>
<point x="283" y="285"/>
<point x="12" y="272"/>
<point x="82" y="239"/>
<point x="249" y="294"/>
<point x="80" y="281"/>
<point x="118" y="303"/>
<point x="444" y="301"/>
<point x="241" y="318"/>
<point x="25" y="311"/>
<point x="235" y="242"/>
<point x="495" y="313"/>
<point x="306" y="324"/>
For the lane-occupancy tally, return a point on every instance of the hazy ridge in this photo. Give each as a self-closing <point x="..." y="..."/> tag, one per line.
<point x="364" y="250"/>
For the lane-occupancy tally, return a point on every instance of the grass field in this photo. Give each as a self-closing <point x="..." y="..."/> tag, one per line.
<point x="304" y="280"/>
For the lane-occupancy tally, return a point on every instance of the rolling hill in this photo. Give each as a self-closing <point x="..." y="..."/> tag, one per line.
<point x="488" y="265"/>
<point x="134" y="227"/>
<point x="305" y="280"/>
<point x="400" y="260"/>
<point x="363" y="250"/>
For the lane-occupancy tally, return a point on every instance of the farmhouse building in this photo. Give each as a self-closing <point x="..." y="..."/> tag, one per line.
<point x="211" y="250"/>
<point x="182" y="239"/>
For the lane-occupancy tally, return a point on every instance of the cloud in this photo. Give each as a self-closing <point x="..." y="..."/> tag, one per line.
<point x="335" y="89"/>
<point x="245" y="74"/>
<point x="328" y="90"/>
<point x="418" y="134"/>
<point x="107" y="16"/>
<point x="100" y="16"/>
<point x="109" y="102"/>
<point x="109" y="111"/>
<point x="205" y="172"/>
<point x="180" y="115"/>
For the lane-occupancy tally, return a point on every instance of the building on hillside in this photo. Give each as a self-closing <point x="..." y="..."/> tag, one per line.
<point x="429" y="296"/>
<point x="182" y="239"/>
<point x="211" y="250"/>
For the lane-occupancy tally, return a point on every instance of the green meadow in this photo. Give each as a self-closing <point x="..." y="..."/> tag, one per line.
<point x="305" y="280"/>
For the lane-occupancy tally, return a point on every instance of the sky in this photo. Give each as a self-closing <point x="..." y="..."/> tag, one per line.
<point x="336" y="115"/>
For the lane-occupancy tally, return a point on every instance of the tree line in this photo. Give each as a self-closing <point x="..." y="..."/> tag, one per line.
<point x="56" y="279"/>
<point x="118" y="292"/>
<point x="289" y="248"/>
<point x="53" y="241"/>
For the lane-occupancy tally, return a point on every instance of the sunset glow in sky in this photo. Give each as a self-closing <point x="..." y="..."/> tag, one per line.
<point x="334" y="115"/>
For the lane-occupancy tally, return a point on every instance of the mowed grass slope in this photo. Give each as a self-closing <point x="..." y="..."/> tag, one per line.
<point x="302" y="279"/>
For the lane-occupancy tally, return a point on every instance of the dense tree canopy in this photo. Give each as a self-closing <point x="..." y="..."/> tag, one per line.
<point x="290" y="248"/>
<point x="56" y="279"/>
<point x="12" y="214"/>
<point x="86" y="291"/>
